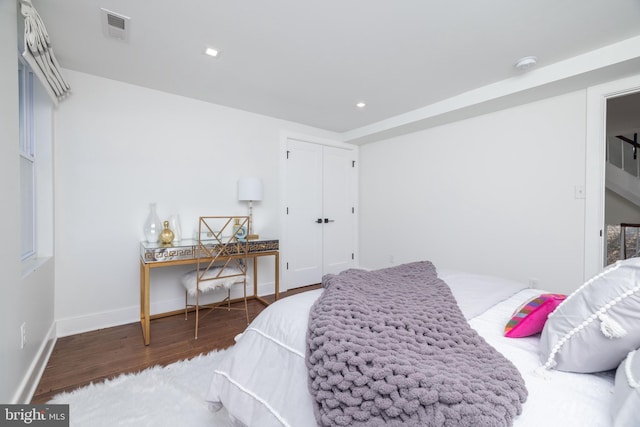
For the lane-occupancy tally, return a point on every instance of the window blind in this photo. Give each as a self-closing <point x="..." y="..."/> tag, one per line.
<point x="39" y="54"/>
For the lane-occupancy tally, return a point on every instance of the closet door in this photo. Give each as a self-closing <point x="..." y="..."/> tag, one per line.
<point x="320" y="220"/>
<point x="338" y="210"/>
<point x="304" y="209"/>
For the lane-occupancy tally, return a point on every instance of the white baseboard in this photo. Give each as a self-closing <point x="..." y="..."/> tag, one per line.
<point x="107" y="319"/>
<point x="94" y="321"/>
<point x="30" y="382"/>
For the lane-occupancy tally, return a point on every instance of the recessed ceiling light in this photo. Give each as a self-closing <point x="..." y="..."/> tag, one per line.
<point x="526" y="63"/>
<point x="211" y="52"/>
<point x="361" y="105"/>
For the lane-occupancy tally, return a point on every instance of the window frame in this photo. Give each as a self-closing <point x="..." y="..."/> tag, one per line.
<point x="27" y="153"/>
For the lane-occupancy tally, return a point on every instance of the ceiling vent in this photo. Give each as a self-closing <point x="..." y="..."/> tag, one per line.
<point x="114" y="25"/>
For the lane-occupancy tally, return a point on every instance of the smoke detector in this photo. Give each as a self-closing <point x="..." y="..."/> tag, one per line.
<point x="526" y="63"/>
<point x="114" y="25"/>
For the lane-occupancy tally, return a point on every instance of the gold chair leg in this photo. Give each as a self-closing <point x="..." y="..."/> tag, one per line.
<point x="197" y="311"/>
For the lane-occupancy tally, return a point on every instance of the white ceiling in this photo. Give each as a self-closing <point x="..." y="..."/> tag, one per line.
<point x="311" y="61"/>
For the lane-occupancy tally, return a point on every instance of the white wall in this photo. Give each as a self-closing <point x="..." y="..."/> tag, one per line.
<point x="492" y="194"/>
<point x="120" y="147"/>
<point x="10" y="354"/>
<point x="26" y="295"/>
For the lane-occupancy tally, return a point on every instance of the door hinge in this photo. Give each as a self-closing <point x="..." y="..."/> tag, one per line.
<point x="287" y="210"/>
<point x="353" y="163"/>
<point x="600" y="233"/>
<point x="288" y="154"/>
<point x="353" y="210"/>
<point x="353" y="256"/>
<point x="287" y="266"/>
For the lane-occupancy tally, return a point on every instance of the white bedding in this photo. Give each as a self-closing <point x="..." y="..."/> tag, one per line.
<point x="262" y="381"/>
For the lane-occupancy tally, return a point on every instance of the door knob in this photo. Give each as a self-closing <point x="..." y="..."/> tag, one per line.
<point x="319" y="220"/>
<point x="326" y="220"/>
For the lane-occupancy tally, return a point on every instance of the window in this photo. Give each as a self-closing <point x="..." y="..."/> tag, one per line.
<point x="615" y="238"/>
<point x="27" y="160"/>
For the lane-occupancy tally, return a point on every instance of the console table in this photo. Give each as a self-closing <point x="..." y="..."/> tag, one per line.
<point x="154" y="255"/>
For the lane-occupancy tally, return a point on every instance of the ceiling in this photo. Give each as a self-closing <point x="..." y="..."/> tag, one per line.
<point x="311" y="61"/>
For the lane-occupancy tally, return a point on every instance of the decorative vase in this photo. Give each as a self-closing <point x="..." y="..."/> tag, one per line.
<point x="174" y="225"/>
<point x="166" y="236"/>
<point x="239" y="232"/>
<point x="153" y="225"/>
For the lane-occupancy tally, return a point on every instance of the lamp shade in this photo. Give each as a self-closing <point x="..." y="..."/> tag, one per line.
<point x="249" y="189"/>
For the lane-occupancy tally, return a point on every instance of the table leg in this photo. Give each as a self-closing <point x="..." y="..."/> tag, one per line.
<point x="144" y="303"/>
<point x="255" y="276"/>
<point x="277" y="274"/>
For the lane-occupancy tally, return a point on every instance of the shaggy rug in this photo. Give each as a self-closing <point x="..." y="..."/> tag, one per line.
<point x="159" y="396"/>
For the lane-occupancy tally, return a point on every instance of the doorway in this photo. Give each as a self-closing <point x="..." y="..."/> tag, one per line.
<point x="595" y="170"/>
<point x="622" y="177"/>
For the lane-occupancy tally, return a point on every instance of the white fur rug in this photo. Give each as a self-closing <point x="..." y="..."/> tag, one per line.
<point x="158" y="397"/>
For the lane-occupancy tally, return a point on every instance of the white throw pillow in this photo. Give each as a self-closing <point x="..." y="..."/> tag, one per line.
<point x="626" y="395"/>
<point x="598" y="324"/>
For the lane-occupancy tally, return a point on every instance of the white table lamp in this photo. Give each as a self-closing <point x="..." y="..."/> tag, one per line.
<point x="250" y="190"/>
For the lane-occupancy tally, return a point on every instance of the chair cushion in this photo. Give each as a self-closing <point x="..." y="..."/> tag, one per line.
<point x="189" y="279"/>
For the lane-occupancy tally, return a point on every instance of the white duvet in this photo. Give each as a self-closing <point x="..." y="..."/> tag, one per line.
<point x="262" y="381"/>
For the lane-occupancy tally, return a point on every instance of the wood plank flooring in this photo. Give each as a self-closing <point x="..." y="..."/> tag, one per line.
<point x="78" y="360"/>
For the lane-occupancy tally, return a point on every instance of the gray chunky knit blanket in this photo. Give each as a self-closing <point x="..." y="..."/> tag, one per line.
<point x="391" y="348"/>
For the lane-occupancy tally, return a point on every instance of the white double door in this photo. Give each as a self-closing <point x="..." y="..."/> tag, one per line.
<point x="320" y="193"/>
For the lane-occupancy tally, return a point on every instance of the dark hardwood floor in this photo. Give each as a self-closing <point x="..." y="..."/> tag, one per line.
<point x="78" y="360"/>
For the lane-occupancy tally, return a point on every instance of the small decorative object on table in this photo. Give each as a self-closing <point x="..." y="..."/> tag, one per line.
<point x="166" y="237"/>
<point x="239" y="231"/>
<point x="152" y="226"/>
<point x="174" y="225"/>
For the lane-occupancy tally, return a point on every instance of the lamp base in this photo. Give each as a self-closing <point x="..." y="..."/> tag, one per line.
<point x="253" y="237"/>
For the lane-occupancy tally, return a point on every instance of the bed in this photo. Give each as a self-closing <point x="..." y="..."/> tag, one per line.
<point x="263" y="379"/>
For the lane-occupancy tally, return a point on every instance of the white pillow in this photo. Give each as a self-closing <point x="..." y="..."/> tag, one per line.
<point x="597" y="325"/>
<point x="626" y="395"/>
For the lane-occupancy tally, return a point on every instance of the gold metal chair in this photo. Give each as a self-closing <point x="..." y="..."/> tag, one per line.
<point x="221" y="263"/>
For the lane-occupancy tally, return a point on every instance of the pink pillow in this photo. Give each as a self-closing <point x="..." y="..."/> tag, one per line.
<point x="530" y="317"/>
